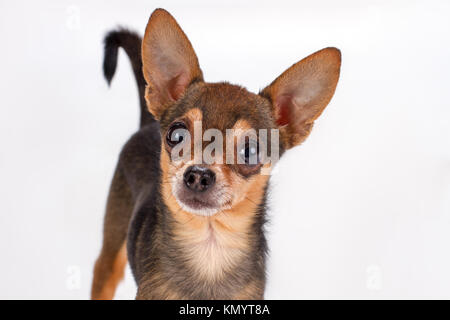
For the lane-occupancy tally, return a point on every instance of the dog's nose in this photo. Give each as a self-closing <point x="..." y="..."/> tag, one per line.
<point x="199" y="179"/>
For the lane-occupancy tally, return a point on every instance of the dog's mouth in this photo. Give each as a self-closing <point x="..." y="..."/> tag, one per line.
<point x="196" y="205"/>
<point x="204" y="204"/>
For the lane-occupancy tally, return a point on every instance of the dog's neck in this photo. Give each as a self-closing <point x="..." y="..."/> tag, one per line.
<point x="220" y="240"/>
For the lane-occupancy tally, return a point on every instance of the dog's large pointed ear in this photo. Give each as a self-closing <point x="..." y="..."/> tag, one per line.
<point x="302" y="92"/>
<point x="170" y="64"/>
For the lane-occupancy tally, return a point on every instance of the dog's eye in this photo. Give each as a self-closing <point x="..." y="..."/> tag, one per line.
<point x="176" y="134"/>
<point x="249" y="153"/>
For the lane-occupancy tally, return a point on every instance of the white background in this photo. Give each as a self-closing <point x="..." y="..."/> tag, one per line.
<point x="360" y="210"/>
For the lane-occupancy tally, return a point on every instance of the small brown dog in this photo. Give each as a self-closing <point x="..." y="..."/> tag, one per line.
<point x="195" y="230"/>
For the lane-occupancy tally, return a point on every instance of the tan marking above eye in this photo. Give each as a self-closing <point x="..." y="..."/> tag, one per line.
<point x="194" y="114"/>
<point x="242" y="124"/>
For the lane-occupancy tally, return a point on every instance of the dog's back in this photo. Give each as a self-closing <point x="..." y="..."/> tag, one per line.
<point x="135" y="177"/>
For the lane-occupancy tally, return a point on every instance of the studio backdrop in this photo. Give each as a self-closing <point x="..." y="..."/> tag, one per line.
<point x="360" y="210"/>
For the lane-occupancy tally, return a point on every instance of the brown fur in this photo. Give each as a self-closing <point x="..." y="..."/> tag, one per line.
<point x="107" y="289"/>
<point x="167" y="84"/>
<point x="173" y="252"/>
<point x="109" y="266"/>
<point x="296" y="117"/>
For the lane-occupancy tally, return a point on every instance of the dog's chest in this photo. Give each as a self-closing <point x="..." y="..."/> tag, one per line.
<point x="212" y="252"/>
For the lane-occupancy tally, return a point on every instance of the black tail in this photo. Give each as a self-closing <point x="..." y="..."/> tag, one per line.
<point x="131" y="43"/>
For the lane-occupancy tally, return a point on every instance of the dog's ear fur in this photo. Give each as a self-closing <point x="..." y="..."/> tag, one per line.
<point x="302" y="92"/>
<point x="170" y="64"/>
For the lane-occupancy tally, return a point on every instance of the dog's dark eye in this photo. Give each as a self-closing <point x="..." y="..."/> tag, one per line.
<point x="249" y="153"/>
<point x="176" y="134"/>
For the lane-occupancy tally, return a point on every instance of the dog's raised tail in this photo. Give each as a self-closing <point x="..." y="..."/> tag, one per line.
<point x="131" y="42"/>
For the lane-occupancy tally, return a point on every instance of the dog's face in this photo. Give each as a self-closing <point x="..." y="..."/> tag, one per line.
<point x="207" y="186"/>
<point x="213" y="157"/>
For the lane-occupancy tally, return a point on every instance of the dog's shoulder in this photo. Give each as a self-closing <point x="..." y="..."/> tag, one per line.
<point x="140" y="162"/>
<point x="139" y="158"/>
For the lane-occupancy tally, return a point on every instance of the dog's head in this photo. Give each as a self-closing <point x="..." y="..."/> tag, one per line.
<point x="213" y="157"/>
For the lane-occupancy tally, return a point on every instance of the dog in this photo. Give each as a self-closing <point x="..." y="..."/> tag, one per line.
<point x="191" y="229"/>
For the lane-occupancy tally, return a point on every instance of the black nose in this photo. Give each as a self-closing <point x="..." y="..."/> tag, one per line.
<point x="198" y="178"/>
